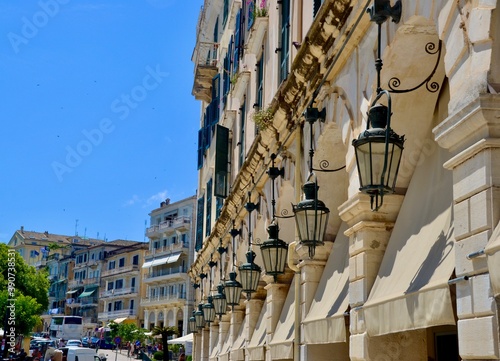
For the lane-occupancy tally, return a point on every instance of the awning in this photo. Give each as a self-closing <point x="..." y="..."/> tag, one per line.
<point x="411" y="289"/>
<point x="325" y="321"/>
<point x="181" y="340"/>
<point x="281" y="345"/>
<point x="255" y="347"/>
<point x="238" y="351"/>
<point x="224" y="352"/>
<point x="215" y="350"/>
<point x="73" y="291"/>
<point x="493" y="258"/>
<point x="88" y="291"/>
<point x="161" y="261"/>
<point x="120" y="320"/>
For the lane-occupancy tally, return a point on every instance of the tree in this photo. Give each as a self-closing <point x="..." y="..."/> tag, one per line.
<point x="165" y="333"/>
<point x="23" y="294"/>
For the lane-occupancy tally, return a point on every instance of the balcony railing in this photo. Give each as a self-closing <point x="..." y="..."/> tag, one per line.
<point x="181" y="296"/>
<point x="165" y="272"/>
<point x="117" y="314"/>
<point x="129" y="291"/>
<point x="115" y="271"/>
<point x="172" y="248"/>
<point x="84" y="282"/>
<point x="169" y="225"/>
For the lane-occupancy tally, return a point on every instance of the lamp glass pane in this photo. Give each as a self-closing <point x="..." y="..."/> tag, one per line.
<point x="370" y="156"/>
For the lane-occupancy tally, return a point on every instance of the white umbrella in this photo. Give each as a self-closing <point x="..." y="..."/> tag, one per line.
<point x="181" y="340"/>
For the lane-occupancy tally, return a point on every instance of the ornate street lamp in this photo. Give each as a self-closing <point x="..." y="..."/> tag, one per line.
<point x="220" y="302"/>
<point x="311" y="217"/>
<point x="274" y="250"/>
<point x="209" y="310"/>
<point x="192" y="323"/>
<point x="249" y="271"/>
<point x="232" y="289"/>
<point x="379" y="149"/>
<point x="198" y="316"/>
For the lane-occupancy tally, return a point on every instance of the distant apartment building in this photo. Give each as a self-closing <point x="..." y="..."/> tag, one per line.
<point x="55" y="253"/>
<point x="121" y="287"/>
<point x="169" y="299"/>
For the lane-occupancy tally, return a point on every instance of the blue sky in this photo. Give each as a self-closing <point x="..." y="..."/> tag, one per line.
<point x="98" y="121"/>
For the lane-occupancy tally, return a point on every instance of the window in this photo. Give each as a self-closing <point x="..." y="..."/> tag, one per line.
<point x="85" y="257"/>
<point x="109" y="306"/>
<point x="316" y="6"/>
<point x="221" y="161"/>
<point x="260" y="83"/>
<point x="135" y="260"/>
<point x="285" y="40"/>
<point x="225" y="12"/>
<point x="118" y="305"/>
<point x="174" y="240"/>
<point x="121" y="262"/>
<point x="165" y="243"/>
<point x="132" y="282"/>
<point x="111" y="265"/>
<point x="242" y="135"/>
<point x="118" y="284"/>
<point x="92" y="256"/>
<point x="199" y="223"/>
<point x="219" y="202"/>
<point x="237" y="42"/>
<point x="131" y="304"/>
<point x="208" y="191"/>
<point x="110" y="286"/>
<point x="183" y="238"/>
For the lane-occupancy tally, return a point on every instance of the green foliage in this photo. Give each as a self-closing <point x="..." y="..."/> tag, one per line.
<point x="263" y="118"/>
<point x="26" y="294"/>
<point x="158" y="355"/>
<point x="189" y="358"/>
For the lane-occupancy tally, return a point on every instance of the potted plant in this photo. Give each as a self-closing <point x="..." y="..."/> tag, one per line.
<point x="263" y="118"/>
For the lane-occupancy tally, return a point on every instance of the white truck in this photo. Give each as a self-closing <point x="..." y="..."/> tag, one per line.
<point x="75" y="353"/>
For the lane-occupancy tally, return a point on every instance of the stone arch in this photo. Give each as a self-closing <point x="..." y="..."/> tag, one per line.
<point x="170" y="318"/>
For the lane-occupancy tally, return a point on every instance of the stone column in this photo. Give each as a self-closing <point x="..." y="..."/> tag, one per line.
<point x="223" y="330"/>
<point x="252" y="313"/>
<point x="146" y="319"/>
<point x="473" y="135"/>
<point x="368" y="234"/>
<point x="197" y="346"/>
<point x="214" y="335"/>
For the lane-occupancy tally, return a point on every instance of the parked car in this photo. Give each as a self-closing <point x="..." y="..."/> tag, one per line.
<point x="74" y="343"/>
<point x="105" y="344"/>
<point x="89" y="341"/>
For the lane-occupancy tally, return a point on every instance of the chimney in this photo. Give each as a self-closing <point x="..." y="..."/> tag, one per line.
<point x="46" y="233"/>
<point x="22" y="229"/>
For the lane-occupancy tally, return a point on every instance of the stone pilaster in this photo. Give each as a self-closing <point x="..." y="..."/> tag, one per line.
<point x="197" y="346"/>
<point x="473" y="135"/>
<point x="223" y="330"/>
<point x="368" y="233"/>
<point x="205" y="349"/>
<point x="276" y="296"/>
<point x="214" y="336"/>
<point x="252" y="313"/>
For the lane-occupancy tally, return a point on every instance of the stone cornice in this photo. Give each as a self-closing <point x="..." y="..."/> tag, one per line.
<point x="295" y="93"/>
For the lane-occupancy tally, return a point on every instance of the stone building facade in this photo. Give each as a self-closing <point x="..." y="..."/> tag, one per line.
<point x="418" y="278"/>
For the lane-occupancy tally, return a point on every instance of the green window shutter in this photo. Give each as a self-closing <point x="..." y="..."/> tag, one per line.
<point x="221" y="161"/>
<point x="316" y="6"/>
<point x="225" y="13"/>
<point x="201" y="147"/>
<point x="285" y="39"/>
<point x="199" y="223"/>
<point x="208" y="223"/>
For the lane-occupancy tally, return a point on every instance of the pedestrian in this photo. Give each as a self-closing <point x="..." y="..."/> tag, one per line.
<point x="132" y="349"/>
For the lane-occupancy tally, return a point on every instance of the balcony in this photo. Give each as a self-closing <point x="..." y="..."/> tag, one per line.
<point x="156" y="300"/>
<point x="111" y="315"/>
<point x="153" y="231"/>
<point x="84" y="282"/>
<point x="118" y="270"/>
<point x="205" y="58"/>
<point x="160" y="251"/>
<point x="89" y="320"/>
<point x="41" y="263"/>
<point x="79" y="303"/>
<point x="256" y="35"/>
<point x="120" y="292"/>
<point x="164" y="274"/>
